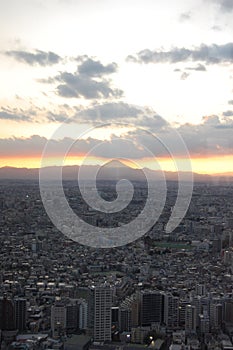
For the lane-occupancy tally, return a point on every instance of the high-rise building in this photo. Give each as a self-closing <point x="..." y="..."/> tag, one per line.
<point x="152" y="307"/>
<point x="228" y="312"/>
<point x="190" y="319"/>
<point x="204" y="323"/>
<point x="129" y="313"/>
<point x="20" y="308"/>
<point x="171" y="311"/>
<point x="216" y="315"/>
<point x="83" y="312"/>
<point x="135" y="310"/>
<point x="72" y="316"/>
<point x="181" y="313"/>
<point x="125" y="322"/>
<point x="7" y="315"/>
<point x="100" y="312"/>
<point x="58" y="318"/>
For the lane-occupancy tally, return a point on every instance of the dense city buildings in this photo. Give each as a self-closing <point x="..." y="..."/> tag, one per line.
<point x="163" y="290"/>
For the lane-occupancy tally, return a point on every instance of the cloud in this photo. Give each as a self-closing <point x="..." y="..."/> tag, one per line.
<point x="38" y="57"/>
<point x="184" y="76"/>
<point x="216" y="28"/>
<point x="212" y="137"/>
<point x="230" y="102"/>
<point x="14" y="117"/>
<point x="112" y="111"/>
<point x="228" y="113"/>
<point x="185" y="16"/>
<point x="34" y="114"/>
<point x="93" y="68"/>
<point x="33" y="147"/>
<point x="211" y="54"/>
<point x="198" y="68"/>
<point x="79" y="85"/>
<point x="22" y="147"/>
<point x="224" y="5"/>
<point x="120" y="112"/>
<point x="87" y="82"/>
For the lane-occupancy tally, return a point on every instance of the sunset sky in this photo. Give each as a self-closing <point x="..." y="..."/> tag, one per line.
<point x="129" y="72"/>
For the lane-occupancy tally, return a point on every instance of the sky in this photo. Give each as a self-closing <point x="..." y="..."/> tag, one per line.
<point x="133" y="76"/>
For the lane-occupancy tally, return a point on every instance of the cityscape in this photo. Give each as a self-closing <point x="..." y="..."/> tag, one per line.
<point x="162" y="291"/>
<point x="116" y="175"/>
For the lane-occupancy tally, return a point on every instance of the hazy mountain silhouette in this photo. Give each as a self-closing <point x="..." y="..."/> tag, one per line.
<point x="113" y="170"/>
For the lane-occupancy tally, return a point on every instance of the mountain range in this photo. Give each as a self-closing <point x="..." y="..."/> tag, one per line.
<point x="114" y="170"/>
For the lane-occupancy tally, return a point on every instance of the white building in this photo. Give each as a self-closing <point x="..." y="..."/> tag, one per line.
<point x="102" y="313"/>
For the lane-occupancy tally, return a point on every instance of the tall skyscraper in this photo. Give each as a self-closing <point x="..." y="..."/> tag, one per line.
<point x="216" y="315"/>
<point x="83" y="314"/>
<point x="129" y="312"/>
<point x="20" y="313"/>
<point x="125" y="316"/>
<point x="171" y="311"/>
<point x="190" y="319"/>
<point x="58" y="318"/>
<point x="100" y="312"/>
<point x="7" y="315"/>
<point x="204" y="323"/>
<point x="72" y="316"/>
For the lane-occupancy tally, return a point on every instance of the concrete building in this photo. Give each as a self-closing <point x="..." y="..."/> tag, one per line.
<point x="83" y="314"/>
<point x="72" y="317"/>
<point x="100" y="312"/>
<point x="171" y="311"/>
<point x="7" y="315"/>
<point x="152" y="307"/>
<point x="20" y="309"/>
<point x="58" y="318"/>
<point x="190" y="319"/>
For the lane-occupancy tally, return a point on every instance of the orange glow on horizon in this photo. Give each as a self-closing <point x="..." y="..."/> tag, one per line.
<point x="204" y="165"/>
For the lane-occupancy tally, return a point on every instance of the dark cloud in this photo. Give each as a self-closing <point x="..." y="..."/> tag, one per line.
<point x="224" y="5"/>
<point x="228" y="114"/>
<point x="80" y="85"/>
<point x="20" y="147"/>
<point x="5" y="115"/>
<point x="211" y="54"/>
<point x="38" y="57"/>
<point x="87" y="82"/>
<point x="36" y="114"/>
<point x="93" y="68"/>
<point x="198" y="68"/>
<point x="212" y="137"/>
<point x="34" y="145"/>
<point x="108" y="112"/>
<point x="120" y="112"/>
